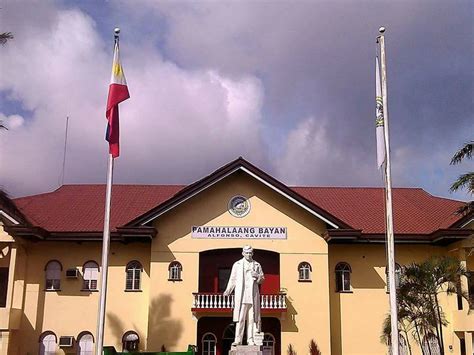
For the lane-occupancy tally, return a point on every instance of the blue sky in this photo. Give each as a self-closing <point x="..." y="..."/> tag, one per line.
<point x="287" y="85"/>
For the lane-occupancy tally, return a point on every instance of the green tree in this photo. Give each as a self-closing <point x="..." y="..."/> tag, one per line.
<point x="419" y="309"/>
<point x="464" y="181"/>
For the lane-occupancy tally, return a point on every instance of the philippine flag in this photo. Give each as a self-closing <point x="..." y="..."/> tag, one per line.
<point x="118" y="92"/>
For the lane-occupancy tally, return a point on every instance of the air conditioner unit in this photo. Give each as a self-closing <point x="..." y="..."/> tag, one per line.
<point x="66" y="341"/>
<point x="72" y="273"/>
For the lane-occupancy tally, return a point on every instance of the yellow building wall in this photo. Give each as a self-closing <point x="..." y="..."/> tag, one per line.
<point x="357" y="316"/>
<point x="340" y="323"/>
<point x="70" y="311"/>
<point x="308" y="315"/>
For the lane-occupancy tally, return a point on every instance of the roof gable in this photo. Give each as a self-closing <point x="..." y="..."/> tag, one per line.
<point x="239" y="164"/>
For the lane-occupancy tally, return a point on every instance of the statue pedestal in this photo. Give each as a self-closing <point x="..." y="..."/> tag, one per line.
<point x="246" y="350"/>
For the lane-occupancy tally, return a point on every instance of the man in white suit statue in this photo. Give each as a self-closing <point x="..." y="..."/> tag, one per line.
<point x="245" y="277"/>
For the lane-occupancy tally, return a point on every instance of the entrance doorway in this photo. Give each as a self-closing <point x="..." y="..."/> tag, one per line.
<point x="228" y="338"/>
<point x="224" y="330"/>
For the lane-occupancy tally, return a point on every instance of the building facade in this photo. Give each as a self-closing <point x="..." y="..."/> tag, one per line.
<point x="172" y="248"/>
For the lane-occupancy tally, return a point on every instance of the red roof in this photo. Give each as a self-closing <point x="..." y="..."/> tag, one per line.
<point x="414" y="210"/>
<point x="80" y="208"/>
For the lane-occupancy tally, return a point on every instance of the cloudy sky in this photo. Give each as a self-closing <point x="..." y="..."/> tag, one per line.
<point x="287" y="85"/>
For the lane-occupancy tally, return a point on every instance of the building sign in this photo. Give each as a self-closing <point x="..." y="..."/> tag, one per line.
<point x="224" y="232"/>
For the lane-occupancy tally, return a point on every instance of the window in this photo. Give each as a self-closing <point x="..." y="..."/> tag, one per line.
<point x="430" y="345"/>
<point x="209" y="341"/>
<point x="268" y="344"/>
<point x="91" y="275"/>
<point x="175" y="269"/>
<point x="402" y="346"/>
<point x="130" y="341"/>
<point x="53" y="275"/>
<point x="85" y="344"/>
<point x="134" y="269"/>
<point x="398" y="275"/>
<point x="3" y="286"/>
<point x="304" y="271"/>
<point x="47" y="344"/>
<point x="343" y="277"/>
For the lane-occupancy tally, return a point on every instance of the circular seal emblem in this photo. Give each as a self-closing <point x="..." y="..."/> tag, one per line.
<point x="239" y="206"/>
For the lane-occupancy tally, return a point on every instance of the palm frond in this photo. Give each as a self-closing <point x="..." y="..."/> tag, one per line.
<point x="466" y="208"/>
<point x="464" y="181"/>
<point x="5" y="36"/>
<point x="464" y="152"/>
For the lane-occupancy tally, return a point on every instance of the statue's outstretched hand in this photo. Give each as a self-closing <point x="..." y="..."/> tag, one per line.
<point x="226" y="293"/>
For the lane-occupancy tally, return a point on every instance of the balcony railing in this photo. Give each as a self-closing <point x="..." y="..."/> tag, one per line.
<point x="212" y="301"/>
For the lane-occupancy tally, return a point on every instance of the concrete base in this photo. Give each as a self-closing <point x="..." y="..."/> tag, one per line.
<point x="246" y="350"/>
<point x="258" y="338"/>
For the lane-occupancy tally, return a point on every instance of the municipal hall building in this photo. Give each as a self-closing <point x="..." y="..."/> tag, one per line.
<point x="321" y="249"/>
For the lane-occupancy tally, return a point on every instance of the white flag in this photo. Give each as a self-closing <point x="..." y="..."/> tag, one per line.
<point x="379" y="117"/>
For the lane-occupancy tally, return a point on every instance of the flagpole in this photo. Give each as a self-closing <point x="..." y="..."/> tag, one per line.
<point x="64" y="155"/>
<point x="105" y="247"/>
<point x="105" y="257"/>
<point x="389" y="204"/>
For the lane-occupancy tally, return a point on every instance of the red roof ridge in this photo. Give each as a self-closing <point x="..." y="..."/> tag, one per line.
<point x="134" y="185"/>
<point x="27" y="197"/>
<point x="443" y="198"/>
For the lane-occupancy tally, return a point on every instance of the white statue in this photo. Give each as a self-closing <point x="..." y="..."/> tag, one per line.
<point x="245" y="277"/>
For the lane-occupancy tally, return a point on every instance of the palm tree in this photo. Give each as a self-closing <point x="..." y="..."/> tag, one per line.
<point x="418" y="299"/>
<point x="464" y="181"/>
<point x="415" y="312"/>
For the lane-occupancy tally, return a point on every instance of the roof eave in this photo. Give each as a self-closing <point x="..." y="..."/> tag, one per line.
<point x="120" y="235"/>
<point x="439" y="237"/>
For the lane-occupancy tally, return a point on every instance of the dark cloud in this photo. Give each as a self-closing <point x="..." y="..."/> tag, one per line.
<point x="300" y="76"/>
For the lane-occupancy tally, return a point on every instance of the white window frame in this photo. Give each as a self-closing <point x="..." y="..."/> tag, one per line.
<point x="210" y="351"/>
<point x="304" y="271"/>
<point x="430" y="344"/>
<point x="174" y="271"/>
<point x="135" y="343"/>
<point x="48" y="344"/>
<point x="53" y="275"/>
<point x="398" y="276"/>
<point x="266" y="342"/>
<point x="343" y="275"/>
<point x="133" y="273"/>
<point x="85" y="344"/>
<point x="90" y="276"/>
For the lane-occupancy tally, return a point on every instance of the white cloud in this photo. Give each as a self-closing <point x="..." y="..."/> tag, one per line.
<point x="12" y="122"/>
<point x="178" y="125"/>
<point x="311" y="158"/>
